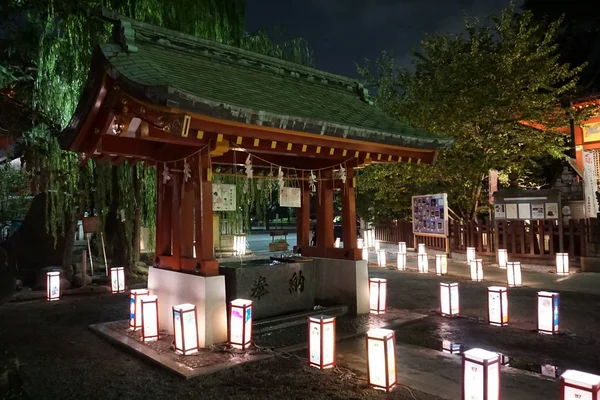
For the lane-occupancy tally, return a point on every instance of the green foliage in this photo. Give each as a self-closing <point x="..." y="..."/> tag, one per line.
<point x="484" y="89"/>
<point x="14" y="193"/>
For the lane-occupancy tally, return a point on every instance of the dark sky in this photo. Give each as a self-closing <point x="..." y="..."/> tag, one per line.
<point x="344" y="31"/>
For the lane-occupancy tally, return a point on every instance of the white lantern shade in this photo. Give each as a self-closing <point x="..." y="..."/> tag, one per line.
<point x="449" y="302"/>
<point x="365" y="254"/>
<point x="450" y="348"/>
<point x="498" y="305"/>
<point x="185" y="329"/>
<point x="513" y="274"/>
<point x="471" y="254"/>
<point x="562" y="263"/>
<point x="402" y="247"/>
<point x="502" y="258"/>
<point x="321" y="344"/>
<point x="422" y="263"/>
<point x="377" y="245"/>
<point x="421" y="248"/>
<point x="381" y="359"/>
<point x="577" y="385"/>
<point x="377" y="295"/>
<point x="135" y="308"/>
<point x="441" y="264"/>
<point x="240" y="324"/>
<point x="476" y="266"/>
<point x="360" y="243"/>
<point x="401" y="261"/>
<point x="239" y="245"/>
<point x="52" y="285"/>
<point x="547" y="312"/>
<point x="369" y="238"/>
<point x="337" y="243"/>
<point x="149" y="307"/>
<point x="481" y="375"/>
<point x="381" y="258"/>
<point x="117" y="280"/>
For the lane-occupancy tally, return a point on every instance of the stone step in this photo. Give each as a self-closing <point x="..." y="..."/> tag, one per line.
<point x="286" y="321"/>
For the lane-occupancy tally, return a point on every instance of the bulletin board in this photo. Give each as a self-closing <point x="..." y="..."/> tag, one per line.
<point x="430" y="214"/>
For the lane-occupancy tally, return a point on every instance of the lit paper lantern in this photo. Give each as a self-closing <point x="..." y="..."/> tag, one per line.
<point x="369" y="238"/>
<point x="240" y="324"/>
<point x="381" y="258"/>
<point x="135" y="308"/>
<point x="377" y="295"/>
<point x="422" y="263"/>
<point x="421" y="248"/>
<point x="337" y="243"/>
<point x="476" y="270"/>
<point x="577" y="385"/>
<point x="449" y="299"/>
<point x="547" y="312"/>
<point x="185" y="329"/>
<point x="401" y="261"/>
<point x="360" y="243"/>
<point x="149" y="307"/>
<point x="441" y="264"/>
<point x="450" y="348"/>
<point x="502" y="258"/>
<point x="402" y="247"/>
<point x="52" y="285"/>
<point x="321" y="345"/>
<point x="377" y="245"/>
<point x="562" y="263"/>
<point x="470" y="254"/>
<point x="381" y="359"/>
<point x="365" y="253"/>
<point x="513" y="274"/>
<point x="481" y="375"/>
<point x="239" y="245"/>
<point x="117" y="280"/>
<point x="497" y="305"/>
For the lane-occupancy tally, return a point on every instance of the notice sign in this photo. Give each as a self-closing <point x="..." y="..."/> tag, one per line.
<point x="551" y="210"/>
<point x="499" y="211"/>
<point x="430" y="214"/>
<point x="537" y="211"/>
<point x="290" y="197"/>
<point x="224" y="197"/>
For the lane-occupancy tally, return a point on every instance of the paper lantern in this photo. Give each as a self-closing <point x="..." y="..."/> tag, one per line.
<point x="451" y="348"/>
<point x="422" y="263"/>
<point x="401" y="261"/>
<point x="117" y="280"/>
<point x="360" y="243"/>
<point x="149" y="307"/>
<point x="52" y="285"/>
<point x="470" y="254"/>
<point x="239" y="245"/>
<point x="548" y="370"/>
<point x="377" y="245"/>
<point x="381" y="258"/>
<point x="377" y="295"/>
<point x="497" y="305"/>
<point x="321" y="344"/>
<point x="449" y="299"/>
<point x="365" y="254"/>
<point x="381" y="359"/>
<point x="402" y="247"/>
<point x="369" y="238"/>
<point x="502" y="258"/>
<point x="513" y="274"/>
<point x="441" y="264"/>
<point x="577" y="385"/>
<point x="421" y="248"/>
<point x="240" y="324"/>
<point x="476" y="270"/>
<point x="185" y="329"/>
<point x="481" y="375"/>
<point x="135" y="308"/>
<point x="562" y="263"/>
<point x="547" y="312"/>
<point x="337" y="243"/>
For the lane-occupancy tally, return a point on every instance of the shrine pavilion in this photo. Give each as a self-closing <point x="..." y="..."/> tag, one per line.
<point x="187" y="105"/>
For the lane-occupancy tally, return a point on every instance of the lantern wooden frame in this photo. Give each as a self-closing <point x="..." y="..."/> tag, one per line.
<point x="514" y="278"/>
<point x="450" y="292"/>
<point x="377" y="295"/>
<point x="579" y="385"/>
<point x="384" y="340"/>
<point x="135" y="317"/>
<point x="441" y="264"/>
<point x="476" y="270"/>
<point x="401" y="261"/>
<point x="402" y="247"/>
<point x="422" y="263"/>
<point x="554" y="317"/>
<point x="149" y="303"/>
<point x="240" y="308"/>
<point x="562" y="264"/>
<point x="490" y="362"/>
<point x="502" y="293"/>
<point x="180" y="329"/>
<point x="52" y="283"/>
<point x="471" y="254"/>
<point x="322" y="323"/>
<point x="117" y="280"/>
<point x="502" y="258"/>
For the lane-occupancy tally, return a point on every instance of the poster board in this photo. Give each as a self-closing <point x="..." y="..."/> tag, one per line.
<point x="430" y="214"/>
<point x="224" y="197"/>
<point x="524" y="205"/>
<point x="290" y="197"/>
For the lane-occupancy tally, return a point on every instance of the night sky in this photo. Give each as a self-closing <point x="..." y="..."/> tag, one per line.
<point x="344" y="31"/>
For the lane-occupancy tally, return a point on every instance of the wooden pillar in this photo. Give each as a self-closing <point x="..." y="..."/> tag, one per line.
<point x="187" y="221"/>
<point x="325" y="212"/>
<point x="176" y="179"/>
<point x="303" y="217"/>
<point x="205" y="254"/>
<point x="349" y="211"/>
<point x="163" y="215"/>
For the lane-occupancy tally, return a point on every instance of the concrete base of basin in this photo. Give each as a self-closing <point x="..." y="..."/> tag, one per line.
<point x="343" y="282"/>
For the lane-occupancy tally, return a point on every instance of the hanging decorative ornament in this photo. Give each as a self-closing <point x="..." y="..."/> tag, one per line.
<point x="280" y="179"/>
<point x="312" y="182"/>
<point x="342" y="174"/>
<point x="187" y="170"/>
<point x="248" y="165"/>
<point x="166" y="175"/>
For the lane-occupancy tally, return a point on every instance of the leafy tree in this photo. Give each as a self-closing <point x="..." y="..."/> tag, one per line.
<point x="495" y="90"/>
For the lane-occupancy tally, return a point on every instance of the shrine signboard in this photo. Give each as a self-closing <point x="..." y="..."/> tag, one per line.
<point x="430" y="214"/>
<point x="527" y="205"/>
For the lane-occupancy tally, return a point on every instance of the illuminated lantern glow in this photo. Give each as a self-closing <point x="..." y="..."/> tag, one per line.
<point x="240" y="324"/>
<point x="149" y="307"/>
<point x="239" y="245"/>
<point x="441" y="264"/>
<point x="547" y="313"/>
<point x="381" y="359"/>
<point x="381" y="258"/>
<point x="481" y="375"/>
<point x="422" y="263"/>
<point x="402" y="247"/>
<point x="365" y="253"/>
<point x="449" y="306"/>
<point x="562" y="263"/>
<point x="135" y="308"/>
<point x="117" y="280"/>
<point x="401" y="261"/>
<point x="377" y="245"/>
<point x="513" y="274"/>
<point x="421" y="248"/>
<point x="450" y="348"/>
<point x="502" y="258"/>
<point x="470" y="254"/>
<point x="369" y="238"/>
<point x="360" y="243"/>
<point x="185" y="329"/>
<point x="321" y="345"/>
<point x="377" y="295"/>
<point x="476" y="270"/>
<point x="337" y="243"/>
<point x="577" y="385"/>
<point x="52" y="285"/>
<point x="497" y="305"/>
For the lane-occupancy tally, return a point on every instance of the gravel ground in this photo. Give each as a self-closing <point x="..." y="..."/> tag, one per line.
<point x="62" y="359"/>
